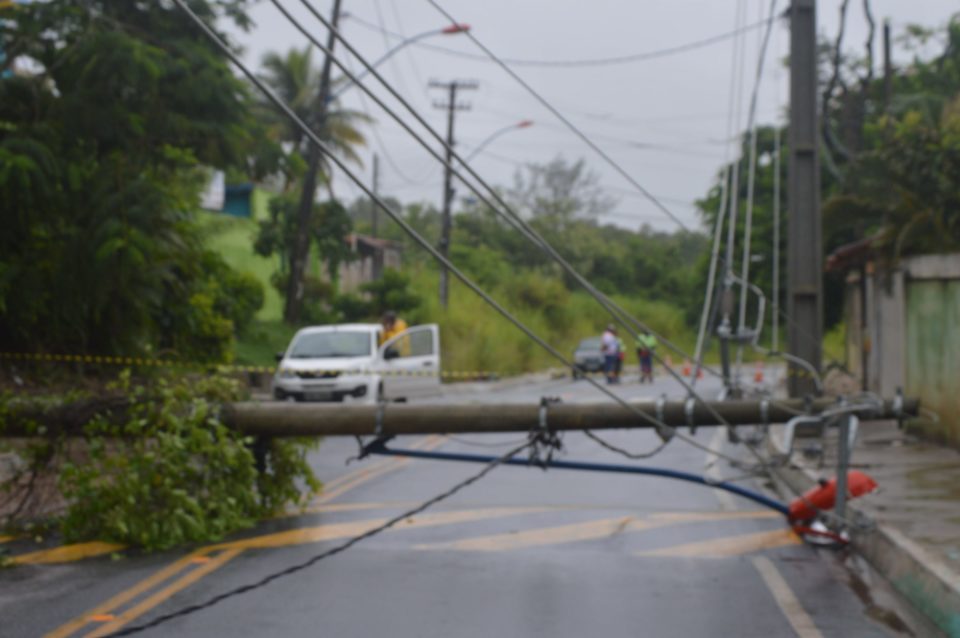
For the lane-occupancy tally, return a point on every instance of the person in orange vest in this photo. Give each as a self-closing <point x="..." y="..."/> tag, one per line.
<point x="392" y="326"/>
<point x="646" y="344"/>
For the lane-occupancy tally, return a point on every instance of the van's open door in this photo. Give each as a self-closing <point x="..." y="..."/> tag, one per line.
<point x="410" y="362"/>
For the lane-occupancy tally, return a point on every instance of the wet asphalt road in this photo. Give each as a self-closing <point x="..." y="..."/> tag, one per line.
<point x="521" y="553"/>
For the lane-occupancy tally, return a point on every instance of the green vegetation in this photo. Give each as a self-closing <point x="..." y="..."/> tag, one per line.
<point x="161" y="472"/>
<point x="101" y="168"/>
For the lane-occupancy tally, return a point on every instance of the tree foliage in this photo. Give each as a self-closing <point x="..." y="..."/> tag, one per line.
<point x="100" y="148"/>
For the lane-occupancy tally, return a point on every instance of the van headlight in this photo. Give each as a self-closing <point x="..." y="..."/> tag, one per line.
<point x="285" y="373"/>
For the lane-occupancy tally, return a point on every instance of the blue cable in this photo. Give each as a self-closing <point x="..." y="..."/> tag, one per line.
<point x="589" y="467"/>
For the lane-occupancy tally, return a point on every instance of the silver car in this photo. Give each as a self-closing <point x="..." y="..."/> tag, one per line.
<point x="588" y="357"/>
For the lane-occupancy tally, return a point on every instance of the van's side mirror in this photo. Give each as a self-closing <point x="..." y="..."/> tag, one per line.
<point x="390" y="353"/>
<point x="279" y="356"/>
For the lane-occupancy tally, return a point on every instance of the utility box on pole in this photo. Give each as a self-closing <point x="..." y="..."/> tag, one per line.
<point x="804" y="245"/>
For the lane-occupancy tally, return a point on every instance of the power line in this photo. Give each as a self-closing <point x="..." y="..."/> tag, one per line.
<point x="617" y="312"/>
<point x="590" y="62"/>
<point x="424" y="243"/>
<point x="570" y="125"/>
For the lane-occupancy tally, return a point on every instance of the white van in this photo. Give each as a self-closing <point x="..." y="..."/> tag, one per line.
<point x="334" y="363"/>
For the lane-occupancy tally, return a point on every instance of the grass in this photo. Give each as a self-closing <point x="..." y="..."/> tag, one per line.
<point x="233" y="238"/>
<point x="261" y="341"/>
<point x="473" y="336"/>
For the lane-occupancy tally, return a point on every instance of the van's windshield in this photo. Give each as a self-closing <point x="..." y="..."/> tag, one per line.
<point x="322" y="345"/>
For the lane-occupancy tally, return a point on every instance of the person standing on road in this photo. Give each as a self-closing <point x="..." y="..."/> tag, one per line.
<point x="646" y="344"/>
<point x="611" y="353"/>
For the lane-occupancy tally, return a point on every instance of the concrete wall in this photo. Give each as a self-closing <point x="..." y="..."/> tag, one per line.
<point x="912" y="335"/>
<point x="885" y="331"/>
<point x="933" y="340"/>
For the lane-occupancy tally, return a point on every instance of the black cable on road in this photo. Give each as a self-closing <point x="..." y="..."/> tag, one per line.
<point x="333" y="551"/>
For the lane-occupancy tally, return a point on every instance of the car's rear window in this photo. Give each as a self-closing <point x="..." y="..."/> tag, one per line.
<point x="317" y="345"/>
<point x="592" y="343"/>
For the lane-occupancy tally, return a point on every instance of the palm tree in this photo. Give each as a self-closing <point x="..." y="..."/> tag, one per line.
<point x="295" y="79"/>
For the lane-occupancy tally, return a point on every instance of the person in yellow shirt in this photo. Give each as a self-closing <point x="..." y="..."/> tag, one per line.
<point x="392" y="326"/>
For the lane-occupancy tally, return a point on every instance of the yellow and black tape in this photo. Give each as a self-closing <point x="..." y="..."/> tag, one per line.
<point x="144" y="362"/>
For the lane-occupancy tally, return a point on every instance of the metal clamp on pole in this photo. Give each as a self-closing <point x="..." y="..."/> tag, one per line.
<point x="544" y="427"/>
<point x="544" y="437"/>
<point x="665" y="434"/>
<point x="688" y="407"/>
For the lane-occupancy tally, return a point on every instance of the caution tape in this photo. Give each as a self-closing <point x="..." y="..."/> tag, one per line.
<point x="314" y="374"/>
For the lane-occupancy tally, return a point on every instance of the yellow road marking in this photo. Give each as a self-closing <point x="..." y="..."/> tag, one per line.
<point x="590" y="530"/>
<point x="66" y="553"/>
<point x="164" y="594"/>
<point x="796" y="615"/>
<point x="728" y="546"/>
<point x="693" y="517"/>
<point x="354" y="479"/>
<point x="354" y="507"/>
<point x="126" y="595"/>
<point x="335" y="531"/>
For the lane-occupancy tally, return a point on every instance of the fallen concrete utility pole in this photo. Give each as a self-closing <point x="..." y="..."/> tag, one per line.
<point x="303" y="419"/>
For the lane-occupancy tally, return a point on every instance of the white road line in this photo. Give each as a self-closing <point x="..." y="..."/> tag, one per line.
<point x="796" y="615"/>
<point x="726" y="499"/>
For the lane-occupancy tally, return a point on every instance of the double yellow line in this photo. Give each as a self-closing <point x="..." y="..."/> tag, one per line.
<point x="146" y="595"/>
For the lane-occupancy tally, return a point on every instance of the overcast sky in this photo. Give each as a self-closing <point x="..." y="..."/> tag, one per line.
<point x="664" y="120"/>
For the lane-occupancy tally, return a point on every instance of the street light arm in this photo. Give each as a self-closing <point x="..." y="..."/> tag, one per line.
<point x="495" y="135"/>
<point x="448" y="30"/>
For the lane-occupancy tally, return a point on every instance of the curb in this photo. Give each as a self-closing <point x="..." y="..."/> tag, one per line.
<point x="932" y="588"/>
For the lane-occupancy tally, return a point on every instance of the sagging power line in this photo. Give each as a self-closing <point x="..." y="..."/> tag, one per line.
<point x="586" y="62"/>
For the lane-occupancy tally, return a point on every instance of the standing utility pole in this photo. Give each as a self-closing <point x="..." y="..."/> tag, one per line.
<point x="301" y="244"/>
<point x="376" y="193"/>
<point x="451" y="106"/>
<point x="804" y="246"/>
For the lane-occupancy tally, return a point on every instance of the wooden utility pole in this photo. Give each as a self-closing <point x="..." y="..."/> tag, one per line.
<point x="804" y="244"/>
<point x="376" y="193"/>
<point x="451" y="107"/>
<point x="300" y="252"/>
<point x="887" y="66"/>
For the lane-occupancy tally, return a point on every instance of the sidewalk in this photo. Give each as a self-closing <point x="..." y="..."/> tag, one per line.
<point x="915" y="537"/>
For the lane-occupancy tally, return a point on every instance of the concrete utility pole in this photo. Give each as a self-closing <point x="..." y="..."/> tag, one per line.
<point x="301" y="244"/>
<point x="451" y="106"/>
<point x="804" y="244"/>
<point x="302" y="419"/>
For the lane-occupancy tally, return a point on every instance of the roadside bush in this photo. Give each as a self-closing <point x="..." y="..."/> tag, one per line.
<point x="172" y="473"/>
